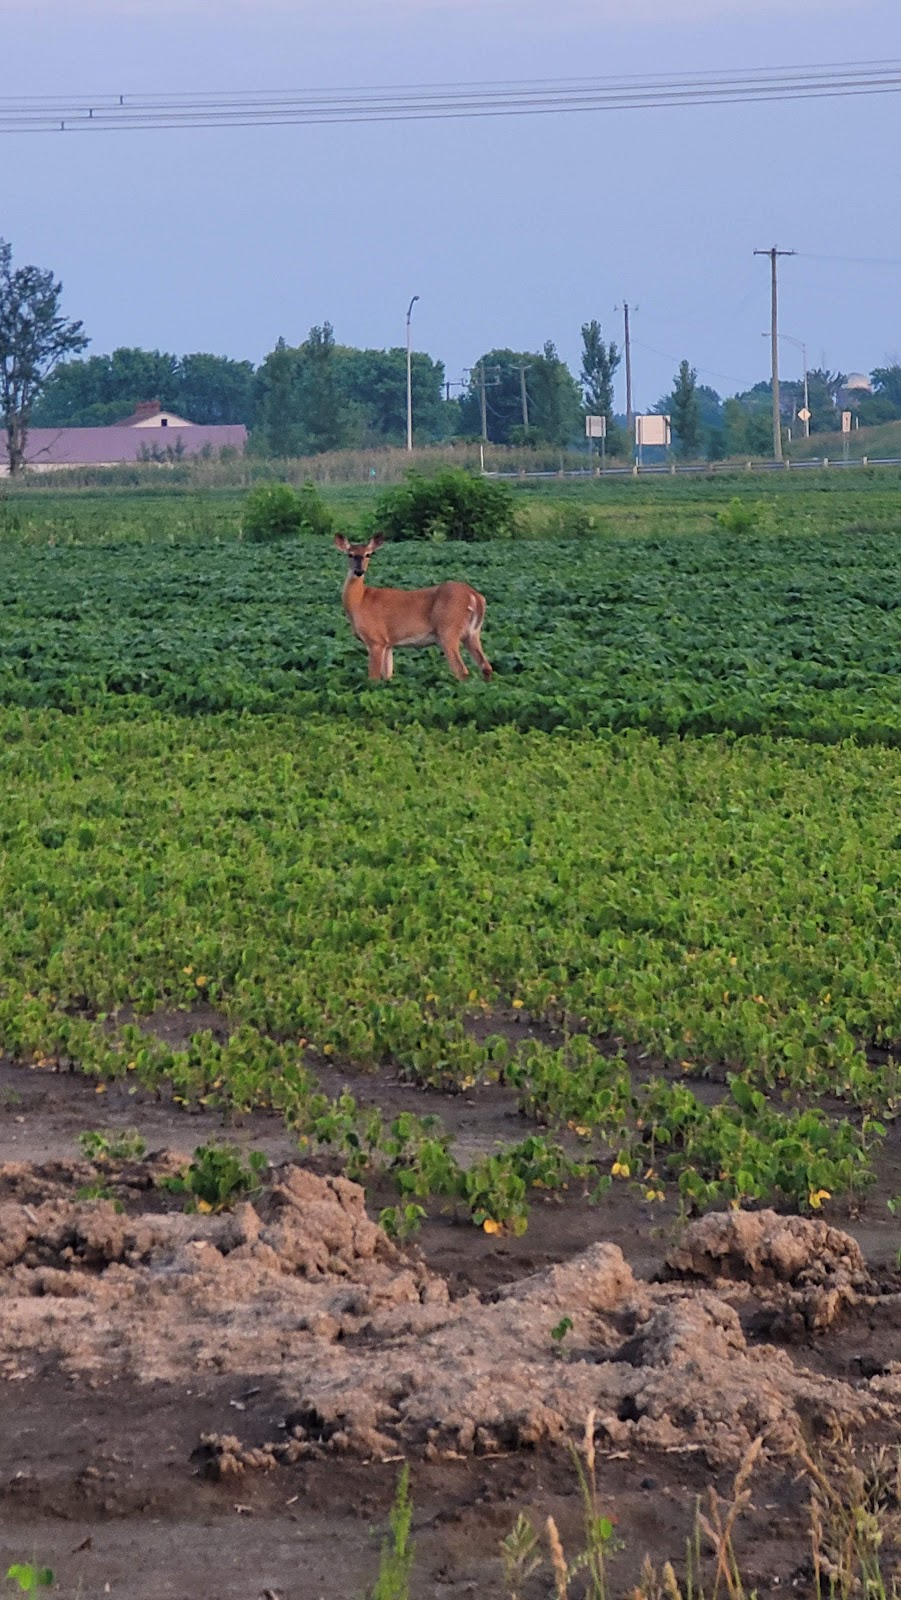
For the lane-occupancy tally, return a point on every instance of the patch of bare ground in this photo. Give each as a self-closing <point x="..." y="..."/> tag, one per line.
<point x="215" y="1405"/>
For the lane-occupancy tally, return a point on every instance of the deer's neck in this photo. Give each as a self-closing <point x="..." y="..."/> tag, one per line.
<point x="352" y="593"/>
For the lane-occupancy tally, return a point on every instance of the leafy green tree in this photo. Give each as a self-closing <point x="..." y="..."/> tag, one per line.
<point x="556" y="402"/>
<point x="884" y="404"/>
<point x="34" y="337"/>
<point x="106" y="389"/>
<point x="277" y="409"/>
<point x="747" y="430"/>
<point x="321" y="409"/>
<point x="373" y="388"/>
<point x="823" y="387"/>
<point x="599" y="365"/>
<point x="214" y="390"/>
<point x="503" y="395"/>
<point x="887" y="383"/>
<point x="685" y="411"/>
<point x="553" y="398"/>
<point x="710" y="407"/>
<point x="322" y="396"/>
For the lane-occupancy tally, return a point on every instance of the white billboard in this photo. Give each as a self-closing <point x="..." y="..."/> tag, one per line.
<point x="595" y="427"/>
<point x="652" y="429"/>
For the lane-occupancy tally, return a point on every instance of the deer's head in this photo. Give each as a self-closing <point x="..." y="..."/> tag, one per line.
<point x="358" y="554"/>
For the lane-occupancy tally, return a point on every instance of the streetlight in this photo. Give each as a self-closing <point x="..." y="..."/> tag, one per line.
<point x="410" y="375"/>
<point x="803" y="349"/>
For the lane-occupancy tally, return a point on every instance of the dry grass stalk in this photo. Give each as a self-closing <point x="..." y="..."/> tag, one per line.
<point x="558" y="1560"/>
<point x="718" y="1527"/>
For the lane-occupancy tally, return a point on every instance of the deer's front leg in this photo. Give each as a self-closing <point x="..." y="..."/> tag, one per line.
<point x="381" y="661"/>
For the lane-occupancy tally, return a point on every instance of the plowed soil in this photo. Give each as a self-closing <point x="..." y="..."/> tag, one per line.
<point x="216" y="1405"/>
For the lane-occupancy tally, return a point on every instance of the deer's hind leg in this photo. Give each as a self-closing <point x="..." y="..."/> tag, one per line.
<point x="473" y="644"/>
<point x="450" y="644"/>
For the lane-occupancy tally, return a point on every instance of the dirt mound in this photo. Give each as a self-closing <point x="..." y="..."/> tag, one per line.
<point x="810" y="1269"/>
<point x="370" y="1351"/>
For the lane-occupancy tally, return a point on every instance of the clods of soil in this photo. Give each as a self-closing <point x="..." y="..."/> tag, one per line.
<point x="218" y="1404"/>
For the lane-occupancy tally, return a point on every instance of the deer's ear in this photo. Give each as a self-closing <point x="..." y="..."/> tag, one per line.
<point x="377" y="540"/>
<point x="341" y="543"/>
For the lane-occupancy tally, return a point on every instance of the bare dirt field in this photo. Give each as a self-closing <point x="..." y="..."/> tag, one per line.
<point x="216" y="1405"/>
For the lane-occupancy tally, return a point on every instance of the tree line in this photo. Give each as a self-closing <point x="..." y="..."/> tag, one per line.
<point x="320" y="395"/>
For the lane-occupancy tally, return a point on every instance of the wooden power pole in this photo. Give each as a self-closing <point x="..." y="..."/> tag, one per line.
<point x="774" y="255"/>
<point x="628" y="348"/>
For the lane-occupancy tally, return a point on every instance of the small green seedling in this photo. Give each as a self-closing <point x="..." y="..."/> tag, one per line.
<point x="396" y="1563"/>
<point x="27" y="1578"/>
<point x="401" y="1222"/>
<point x="128" y="1145"/>
<point x="217" y="1176"/>
<point x="98" y="1191"/>
<point x="559" y="1333"/>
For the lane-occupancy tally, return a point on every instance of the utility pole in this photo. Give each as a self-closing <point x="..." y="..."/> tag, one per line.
<point x="774" y="255"/>
<point x="628" y="349"/>
<point x="524" y="393"/>
<point x="484" y="385"/>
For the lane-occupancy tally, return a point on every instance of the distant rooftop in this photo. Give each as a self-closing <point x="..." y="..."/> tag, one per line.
<point x="150" y="414"/>
<point x="107" y="447"/>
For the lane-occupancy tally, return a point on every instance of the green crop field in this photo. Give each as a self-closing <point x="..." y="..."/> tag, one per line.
<point x="670" y="826"/>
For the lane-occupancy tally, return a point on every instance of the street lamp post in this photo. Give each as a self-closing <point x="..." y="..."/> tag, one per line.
<point x="410" y="374"/>
<point x="799" y="343"/>
<point x="803" y="349"/>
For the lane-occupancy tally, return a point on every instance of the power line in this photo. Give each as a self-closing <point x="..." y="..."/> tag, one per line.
<point x="728" y="377"/>
<point x="856" y="261"/>
<point x="532" y="97"/>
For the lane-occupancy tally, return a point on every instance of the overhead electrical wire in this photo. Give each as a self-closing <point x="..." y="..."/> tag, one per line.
<point x="533" y="97"/>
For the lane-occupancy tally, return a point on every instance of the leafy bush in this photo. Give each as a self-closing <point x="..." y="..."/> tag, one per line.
<point x="275" y="511"/>
<point x="451" y="505"/>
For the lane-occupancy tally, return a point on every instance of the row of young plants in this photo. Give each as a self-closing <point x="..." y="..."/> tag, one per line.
<point x="795" y="636"/>
<point x="340" y="893"/>
<point x="654" y="1134"/>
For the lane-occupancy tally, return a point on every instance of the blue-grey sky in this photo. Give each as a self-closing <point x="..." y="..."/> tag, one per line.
<point x="512" y="231"/>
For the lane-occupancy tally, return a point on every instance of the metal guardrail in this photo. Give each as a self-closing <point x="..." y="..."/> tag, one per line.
<point x="707" y="469"/>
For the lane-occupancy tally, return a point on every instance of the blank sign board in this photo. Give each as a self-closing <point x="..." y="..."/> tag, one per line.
<point x="652" y="429"/>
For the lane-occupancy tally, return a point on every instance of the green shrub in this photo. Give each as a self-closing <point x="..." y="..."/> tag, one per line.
<point x="451" y="505"/>
<point x="217" y="1176"/>
<point x="275" y="511"/>
<point x="746" y="516"/>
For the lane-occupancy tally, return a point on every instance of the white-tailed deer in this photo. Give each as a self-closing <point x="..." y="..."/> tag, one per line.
<point x="449" y="615"/>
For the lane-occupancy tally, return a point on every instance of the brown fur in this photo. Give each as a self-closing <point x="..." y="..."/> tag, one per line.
<point x="449" y="615"/>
